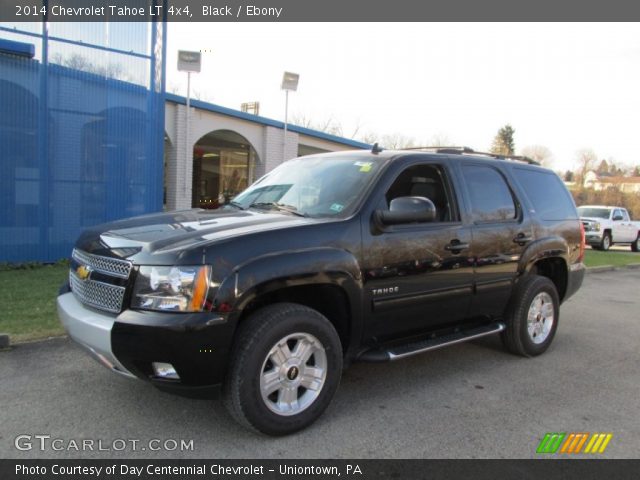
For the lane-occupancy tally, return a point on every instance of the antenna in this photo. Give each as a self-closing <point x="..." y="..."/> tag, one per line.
<point x="376" y="149"/>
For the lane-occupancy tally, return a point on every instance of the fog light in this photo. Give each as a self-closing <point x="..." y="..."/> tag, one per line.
<point x="165" y="370"/>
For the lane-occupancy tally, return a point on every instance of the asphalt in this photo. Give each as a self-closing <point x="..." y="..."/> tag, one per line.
<point x="467" y="401"/>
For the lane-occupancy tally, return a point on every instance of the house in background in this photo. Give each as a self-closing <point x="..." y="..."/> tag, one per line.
<point x="604" y="182"/>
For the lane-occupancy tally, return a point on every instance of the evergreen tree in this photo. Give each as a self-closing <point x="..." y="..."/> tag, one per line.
<point x="603" y="167"/>
<point x="503" y="143"/>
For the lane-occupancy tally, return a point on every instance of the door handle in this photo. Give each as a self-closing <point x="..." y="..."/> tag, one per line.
<point x="456" y="246"/>
<point x="522" y="238"/>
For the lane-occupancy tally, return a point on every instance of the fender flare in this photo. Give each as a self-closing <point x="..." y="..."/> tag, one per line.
<point x="275" y="271"/>
<point x="548" y="247"/>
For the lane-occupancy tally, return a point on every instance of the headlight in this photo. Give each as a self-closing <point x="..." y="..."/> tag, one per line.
<point x="173" y="289"/>
<point x="596" y="227"/>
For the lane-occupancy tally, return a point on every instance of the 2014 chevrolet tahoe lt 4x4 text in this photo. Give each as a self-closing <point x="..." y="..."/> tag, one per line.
<point x="326" y="260"/>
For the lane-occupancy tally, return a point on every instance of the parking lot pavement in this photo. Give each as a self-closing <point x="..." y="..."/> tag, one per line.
<point x="469" y="401"/>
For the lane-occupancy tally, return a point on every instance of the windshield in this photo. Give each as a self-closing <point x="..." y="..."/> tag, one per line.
<point x="594" y="212"/>
<point x="320" y="186"/>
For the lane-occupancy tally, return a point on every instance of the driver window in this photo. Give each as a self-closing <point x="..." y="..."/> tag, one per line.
<point x="423" y="181"/>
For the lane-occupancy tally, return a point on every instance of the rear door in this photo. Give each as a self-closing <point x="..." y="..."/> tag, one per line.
<point x="500" y="233"/>
<point x="630" y="231"/>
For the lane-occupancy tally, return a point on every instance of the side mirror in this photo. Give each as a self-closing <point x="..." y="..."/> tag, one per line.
<point x="408" y="210"/>
<point x="617" y="217"/>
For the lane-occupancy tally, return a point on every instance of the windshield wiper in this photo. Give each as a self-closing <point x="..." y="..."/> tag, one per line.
<point x="278" y="206"/>
<point x="237" y="205"/>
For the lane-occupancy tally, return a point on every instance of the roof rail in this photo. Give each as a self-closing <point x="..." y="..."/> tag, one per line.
<point x="457" y="150"/>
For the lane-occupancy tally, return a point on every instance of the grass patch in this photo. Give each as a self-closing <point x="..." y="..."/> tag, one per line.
<point x="28" y="299"/>
<point x="28" y="295"/>
<point x="594" y="258"/>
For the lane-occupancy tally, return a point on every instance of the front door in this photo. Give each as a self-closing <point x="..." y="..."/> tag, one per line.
<point x="417" y="276"/>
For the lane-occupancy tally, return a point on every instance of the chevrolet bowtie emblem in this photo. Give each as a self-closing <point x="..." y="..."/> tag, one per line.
<point x="83" y="272"/>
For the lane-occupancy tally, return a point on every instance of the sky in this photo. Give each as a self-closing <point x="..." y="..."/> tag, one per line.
<point x="563" y="86"/>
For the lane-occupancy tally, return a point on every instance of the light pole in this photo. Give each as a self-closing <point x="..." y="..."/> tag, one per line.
<point x="289" y="84"/>
<point x="188" y="62"/>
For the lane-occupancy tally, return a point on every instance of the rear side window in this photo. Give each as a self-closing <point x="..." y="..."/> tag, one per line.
<point x="547" y="193"/>
<point x="491" y="198"/>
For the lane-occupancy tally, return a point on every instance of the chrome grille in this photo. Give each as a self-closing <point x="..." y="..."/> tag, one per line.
<point x="110" y="266"/>
<point x="99" y="294"/>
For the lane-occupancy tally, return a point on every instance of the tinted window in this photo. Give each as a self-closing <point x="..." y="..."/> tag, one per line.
<point x="424" y="181"/>
<point x="491" y="199"/>
<point x="547" y="193"/>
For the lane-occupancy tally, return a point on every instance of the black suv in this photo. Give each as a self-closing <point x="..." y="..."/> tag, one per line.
<point x="328" y="259"/>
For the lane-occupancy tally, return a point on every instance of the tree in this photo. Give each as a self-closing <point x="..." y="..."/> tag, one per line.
<point x="586" y="160"/>
<point x="389" y="141"/>
<point x="503" y="143"/>
<point x="539" y="153"/>
<point x="397" y="140"/>
<point x="440" y="140"/>
<point x="79" y="62"/>
<point x="328" y="125"/>
<point x="636" y="171"/>
<point x="603" y="167"/>
<point x="568" y="176"/>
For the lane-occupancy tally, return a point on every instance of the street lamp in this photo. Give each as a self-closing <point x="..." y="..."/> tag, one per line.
<point x="289" y="84"/>
<point x="188" y="62"/>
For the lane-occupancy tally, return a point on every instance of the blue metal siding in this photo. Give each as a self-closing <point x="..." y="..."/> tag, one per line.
<point x="81" y="135"/>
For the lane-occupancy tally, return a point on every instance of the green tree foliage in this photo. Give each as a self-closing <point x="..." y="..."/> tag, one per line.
<point x="503" y="143"/>
<point x="603" y="167"/>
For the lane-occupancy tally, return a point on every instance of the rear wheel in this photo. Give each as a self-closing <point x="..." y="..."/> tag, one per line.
<point x="532" y="316"/>
<point x="635" y="246"/>
<point x="285" y="368"/>
<point x="606" y="241"/>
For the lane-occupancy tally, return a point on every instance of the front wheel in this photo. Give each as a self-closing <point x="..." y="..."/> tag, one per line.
<point x="532" y="316"/>
<point x="606" y="241"/>
<point x="635" y="246"/>
<point x="285" y="368"/>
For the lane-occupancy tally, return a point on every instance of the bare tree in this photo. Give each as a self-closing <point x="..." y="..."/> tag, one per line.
<point x="539" y="153"/>
<point x="370" y="137"/>
<point x="586" y="159"/>
<point x="397" y="140"/>
<point x="440" y="140"/>
<point x="79" y="62"/>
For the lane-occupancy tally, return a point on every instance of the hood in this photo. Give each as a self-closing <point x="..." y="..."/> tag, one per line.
<point x="172" y="232"/>
<point x="592" y="219"/>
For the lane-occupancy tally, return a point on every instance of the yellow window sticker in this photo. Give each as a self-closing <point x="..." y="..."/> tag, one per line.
<point x="364" y="166"/>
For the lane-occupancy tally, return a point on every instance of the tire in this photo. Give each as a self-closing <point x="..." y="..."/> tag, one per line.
<point x="274" y="400"/>
<point x="635" y="246"/>
<point x="606" y="242"/>
<point x="534" y="296"/>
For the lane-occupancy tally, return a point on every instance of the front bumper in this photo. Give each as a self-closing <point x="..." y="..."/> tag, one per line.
<point x="196" y="344"/>
<point x="91" y="330"/>
<point x="593" y="238"/>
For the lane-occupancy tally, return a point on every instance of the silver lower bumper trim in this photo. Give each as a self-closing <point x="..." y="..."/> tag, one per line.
<point x="91" y="330"/>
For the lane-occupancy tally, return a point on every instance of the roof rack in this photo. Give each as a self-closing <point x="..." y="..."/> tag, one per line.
<point x="457" y="150"/>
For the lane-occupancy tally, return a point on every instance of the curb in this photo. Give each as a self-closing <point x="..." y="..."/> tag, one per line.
<point x="612" y="268"/>
<point x="11" y="346"/>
